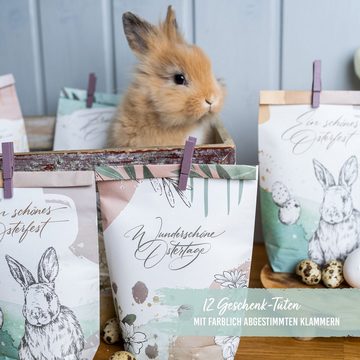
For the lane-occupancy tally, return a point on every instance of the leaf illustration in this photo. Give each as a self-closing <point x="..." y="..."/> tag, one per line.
<point x="243" y="172"/>
<point x="108" y="172"/>
<point x="241" y="185"/>
<point x="65" y="94"/>
<point x="182" y="196"/>
<point x="194" y="174"/>
<point x="155" y="183"/>
<point x="168" y="192"/>
<point x="130" y="171"/>
<point x="223" y="174"/>
<point x="147" y="173"/>
<point x="75" y="97"/>
<point x="206" y="170"/>
<point x="206" y="197"/>
<point x="129" y="319"/>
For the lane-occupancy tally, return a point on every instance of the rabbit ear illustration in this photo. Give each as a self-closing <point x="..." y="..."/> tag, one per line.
<point x="48" y="266"/>
<point x="323" y="175"/>
<point x="20" y="273"/>
<point x="349" y="172"/>
<point x="137" y="32"/>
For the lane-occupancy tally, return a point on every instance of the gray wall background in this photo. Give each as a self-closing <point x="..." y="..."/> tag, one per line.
<point x="254" y="44"/>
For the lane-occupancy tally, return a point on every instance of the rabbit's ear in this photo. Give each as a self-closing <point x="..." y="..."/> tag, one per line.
<point x="170" y="26"/>
<point x="20" y="273"/>
<point x="48" y="266"/>
<point x="349" y="172"/>
<point x="137" y="32"/>
<point x="323" y="175"/>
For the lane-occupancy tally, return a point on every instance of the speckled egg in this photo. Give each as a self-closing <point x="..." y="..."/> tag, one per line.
<point x="122" y="355"/>
<point x="309" y="271"/>
<point x="332" y="274"/>
<point x="289" y="213"/>
<point x="280" y="193"/>
<point x="112" y="332"/>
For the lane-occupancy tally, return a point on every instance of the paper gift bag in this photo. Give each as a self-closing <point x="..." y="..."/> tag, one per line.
<point x="309" y="183"/>
<point x="79" y="127"/>
<point x="49" y="284"/>
<point x="157" y="236"/>
<point x="12" y="127"/>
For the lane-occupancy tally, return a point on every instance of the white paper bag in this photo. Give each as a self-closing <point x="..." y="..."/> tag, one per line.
<point x="12" y="127"/>
<point x="157" y="236"/>
<point x="79" y="127"/>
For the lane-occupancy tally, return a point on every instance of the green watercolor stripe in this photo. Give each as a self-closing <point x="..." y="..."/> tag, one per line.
<point x="241" y="187"/>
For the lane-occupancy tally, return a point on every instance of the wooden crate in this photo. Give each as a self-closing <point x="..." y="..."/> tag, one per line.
<point x="41" y="133"/>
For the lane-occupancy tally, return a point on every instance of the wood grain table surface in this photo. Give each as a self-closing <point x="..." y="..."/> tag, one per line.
<point x="263" y="348"/>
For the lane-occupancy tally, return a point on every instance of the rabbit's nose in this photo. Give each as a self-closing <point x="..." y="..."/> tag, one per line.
<point x="209" y="102"/>
<point x="36" y="313"/>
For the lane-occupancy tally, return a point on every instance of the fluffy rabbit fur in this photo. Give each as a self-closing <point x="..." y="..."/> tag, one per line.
<point x="174" y="92"/>
<point x="338" y="231"/>
<point x="52" y="331"/>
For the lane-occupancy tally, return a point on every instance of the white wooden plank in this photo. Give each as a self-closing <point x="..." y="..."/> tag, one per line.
<point x="322" y="29"/>
<point x="76" y="41"/>
<point x="153" y="11"/>
<point x="20" y="52"/>
<point x="243" y="40"/>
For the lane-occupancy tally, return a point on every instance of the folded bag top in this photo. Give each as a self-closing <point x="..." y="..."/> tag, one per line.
<point x="157" y="236"/>
<point x="51" y="179"/>
<point x="139" y="172"/>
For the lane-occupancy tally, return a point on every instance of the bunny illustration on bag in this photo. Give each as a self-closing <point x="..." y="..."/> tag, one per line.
<point x="338" y="231"/>
<point x="51" y="329"/>
<point x="174" y="92"/>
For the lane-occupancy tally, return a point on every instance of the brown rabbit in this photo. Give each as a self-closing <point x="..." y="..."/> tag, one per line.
<point x="174" y="92"/>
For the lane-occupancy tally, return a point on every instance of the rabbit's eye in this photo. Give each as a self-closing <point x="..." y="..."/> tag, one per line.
<point x="179" y="79"/>
<point x="48" y="297"/>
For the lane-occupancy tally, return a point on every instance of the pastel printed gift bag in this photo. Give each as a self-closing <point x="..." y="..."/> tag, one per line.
<point x="49" y="283"/>
<point x="157" y="236"/>
<point x="309" y="181"/>
<point x="12" y="127"/>
<point x="78" y="127"/>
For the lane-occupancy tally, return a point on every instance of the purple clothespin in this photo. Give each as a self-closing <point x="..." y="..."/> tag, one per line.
<point x="8" y="168"/>
<point x="91" y="90"/>
<point x="316" y="85"/>
<point x="186" y="162"/>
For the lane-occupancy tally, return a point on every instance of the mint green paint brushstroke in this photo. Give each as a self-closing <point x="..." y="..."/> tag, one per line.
<point x="260" y="305"/>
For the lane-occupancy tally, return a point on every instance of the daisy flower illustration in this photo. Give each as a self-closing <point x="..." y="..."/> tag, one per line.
<point x="232" y="279"/>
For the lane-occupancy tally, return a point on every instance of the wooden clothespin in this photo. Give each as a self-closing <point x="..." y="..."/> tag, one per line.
<point x="186" y="162"/>
<point x="91" y="90"/>
<point x="316" y="85"/>
<point x="8" y="168"/>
